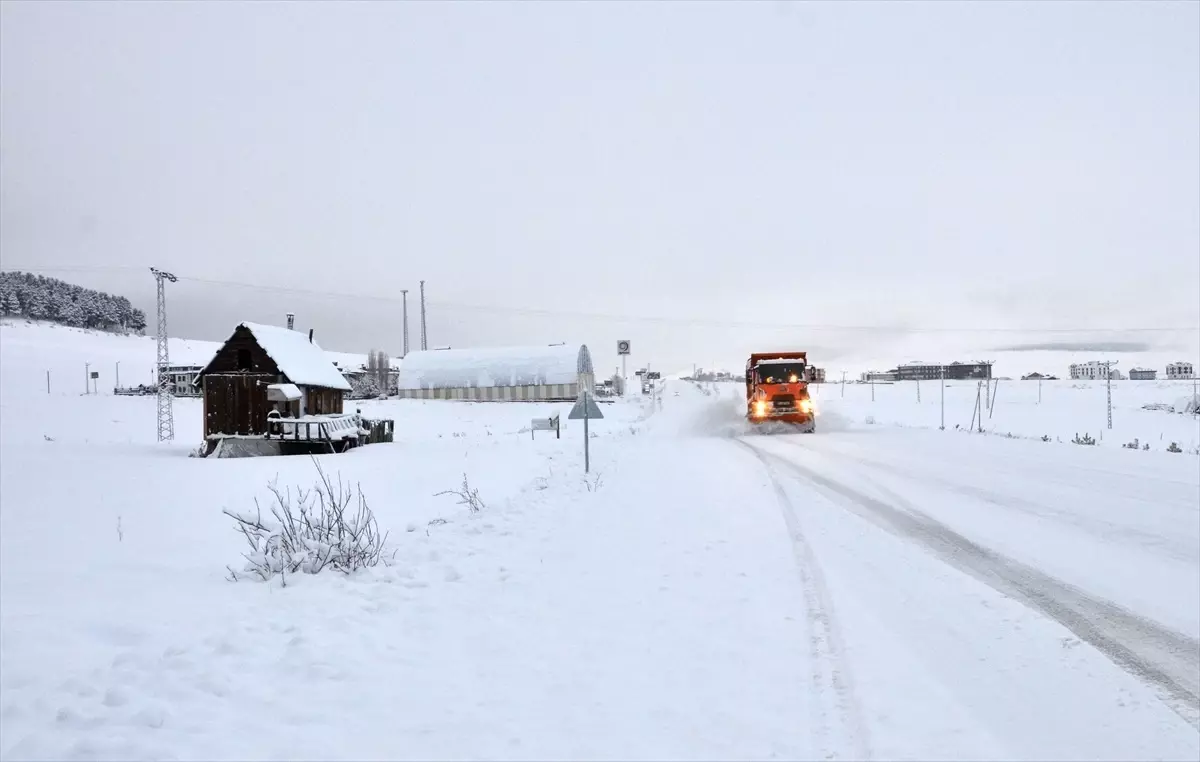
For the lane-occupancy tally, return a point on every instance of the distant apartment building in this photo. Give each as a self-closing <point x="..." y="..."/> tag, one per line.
<point x="1180" y="370"/>
<point x="182" y="379"/>
<point x="955" y="371"/>
<point x="1092" y="370"/>
<point x="878" y="376"/>
<point x="1142" y="374"/>
<point x="816" y="375"/>
<point x="1035" y="376"/>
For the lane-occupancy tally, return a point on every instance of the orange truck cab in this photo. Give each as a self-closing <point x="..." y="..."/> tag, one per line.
<point x="777" y="389"/>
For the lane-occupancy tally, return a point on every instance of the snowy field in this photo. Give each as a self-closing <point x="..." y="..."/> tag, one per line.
<point x="877" y="590"/>
<point x="1067" y="408"/>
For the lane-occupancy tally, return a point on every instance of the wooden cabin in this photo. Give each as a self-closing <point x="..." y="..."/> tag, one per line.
<point x="246" y="380"/>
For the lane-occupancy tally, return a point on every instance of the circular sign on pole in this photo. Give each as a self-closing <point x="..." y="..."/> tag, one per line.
<point x="623" y="347"/>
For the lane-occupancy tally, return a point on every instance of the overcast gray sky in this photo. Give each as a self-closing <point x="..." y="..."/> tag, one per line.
<point x="919" y="166"/>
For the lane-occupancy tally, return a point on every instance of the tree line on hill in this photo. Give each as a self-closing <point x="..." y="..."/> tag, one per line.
<point x="40" y="298"/>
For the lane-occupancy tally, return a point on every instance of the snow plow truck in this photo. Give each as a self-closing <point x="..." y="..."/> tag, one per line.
<point x="777" y="390"/>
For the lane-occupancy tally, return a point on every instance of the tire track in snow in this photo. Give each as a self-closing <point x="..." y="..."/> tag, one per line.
<point x="1099" y="528"/>
<point x="838" y="725"/>
<point x="1167" y="660"/>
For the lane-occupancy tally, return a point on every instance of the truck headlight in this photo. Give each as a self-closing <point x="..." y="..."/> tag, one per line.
<point x="806" y="406"/>
<point x="760" y="408"/>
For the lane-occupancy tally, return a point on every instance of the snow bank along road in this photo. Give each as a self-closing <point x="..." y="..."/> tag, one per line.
<point x="859" y="593"/>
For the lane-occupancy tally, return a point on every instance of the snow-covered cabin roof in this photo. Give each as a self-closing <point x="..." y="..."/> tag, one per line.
<point x="303" y="362"/>
<point x="494" y="366"/>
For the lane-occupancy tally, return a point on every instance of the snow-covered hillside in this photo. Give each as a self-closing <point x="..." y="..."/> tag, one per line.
<point x="69" y="353"/>
<point x="875" y="590"/>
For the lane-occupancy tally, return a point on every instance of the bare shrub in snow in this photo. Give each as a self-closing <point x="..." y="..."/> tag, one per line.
<point x="1132" y="445"/>
<point x="1174" y="447"/>
<point x="325" y="527"/>
<point x="466" y="496"/>
<point x="1085" y="440"/>
<point x="593" y="482"/>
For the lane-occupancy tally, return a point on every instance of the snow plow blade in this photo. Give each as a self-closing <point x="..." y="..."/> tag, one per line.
<point x="783" y="425"/>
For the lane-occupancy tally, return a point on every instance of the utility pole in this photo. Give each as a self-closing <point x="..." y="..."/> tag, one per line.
<point x="942" y="383"/>
<point x="166" y="413"/>
<point x="118" y="374"/>
<point x="404" y="296"/>
<point x="424" y="336"/>
<point x="987" y="397"/>
<point x="87" y="378"/>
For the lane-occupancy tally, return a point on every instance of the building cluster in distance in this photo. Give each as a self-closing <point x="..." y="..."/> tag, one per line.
<point x="918" y="371"/>
<point x="1094" y="370"/>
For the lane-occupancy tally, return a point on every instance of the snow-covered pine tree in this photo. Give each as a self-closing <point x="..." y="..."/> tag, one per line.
<point x="111" y="314"/>
<point x="33" y="303"/>
<point x="72" y="313"/>
<point x="9" y="304"/>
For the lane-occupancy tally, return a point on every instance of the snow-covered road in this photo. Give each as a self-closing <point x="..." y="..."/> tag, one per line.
<point x="860" y="593"/>
<point x="968" y="597"/>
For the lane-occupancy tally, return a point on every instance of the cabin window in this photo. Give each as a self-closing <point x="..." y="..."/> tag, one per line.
<point x="244" y="362"/>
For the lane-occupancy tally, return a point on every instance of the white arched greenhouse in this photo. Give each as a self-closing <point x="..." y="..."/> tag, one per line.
<point x="555" y="372"/>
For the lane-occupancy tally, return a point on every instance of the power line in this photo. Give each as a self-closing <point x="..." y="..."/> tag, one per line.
<point x="648" y="319"/>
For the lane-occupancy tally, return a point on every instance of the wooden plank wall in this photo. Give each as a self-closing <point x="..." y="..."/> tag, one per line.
<point x="323" y="401"/>
<point x="226" y="360"/>
<point x="236" y="403"/>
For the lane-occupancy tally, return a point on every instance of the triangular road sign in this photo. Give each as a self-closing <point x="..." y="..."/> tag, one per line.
<point x="593" y="410"/>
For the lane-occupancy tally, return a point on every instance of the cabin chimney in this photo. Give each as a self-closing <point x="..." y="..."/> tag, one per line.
<point x="310" y="333"/>
<point x="291" y="321"/>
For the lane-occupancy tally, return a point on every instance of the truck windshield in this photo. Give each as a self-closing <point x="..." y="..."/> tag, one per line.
<point x="780" y="373"/>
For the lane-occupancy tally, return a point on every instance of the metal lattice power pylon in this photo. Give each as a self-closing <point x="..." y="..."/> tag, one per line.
<point x="166" y="414"/>
<point x="1108" y="366"/>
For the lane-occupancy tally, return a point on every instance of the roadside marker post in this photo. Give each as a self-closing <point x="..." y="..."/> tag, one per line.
<point x="586" y="409"/>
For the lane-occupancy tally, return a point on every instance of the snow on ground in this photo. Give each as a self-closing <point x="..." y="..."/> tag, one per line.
<point x="868" y="591"/>
<point x="1067" y="408"/>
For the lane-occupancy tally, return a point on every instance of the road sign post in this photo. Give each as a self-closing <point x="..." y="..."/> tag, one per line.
<point x="623" y="347"/>
<point x="586" y="409"/>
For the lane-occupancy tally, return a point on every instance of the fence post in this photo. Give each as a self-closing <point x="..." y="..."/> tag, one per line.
<point x="47" y="382"/>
